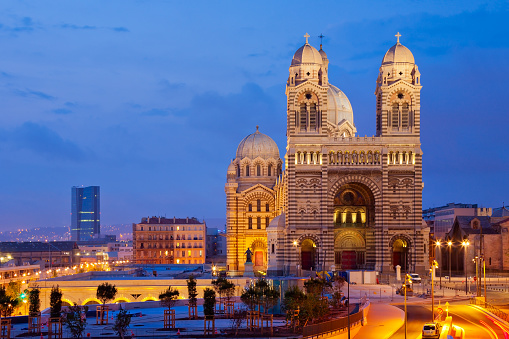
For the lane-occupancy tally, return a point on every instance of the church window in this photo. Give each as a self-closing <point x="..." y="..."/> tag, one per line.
<point x="258" y="170"/>
<point x="247" y="170"/>
<point x="238" y="170"/>
<point x="273" y="248"/>
<point x="395" y="116"/>
<point x="250" y="223"/>
<point x="404" y="116"/>
<point x="269" y="170"/>
<point x="267" y="222"/>
<point x="267" y="208"/>
<point x="258" y="205"/>
<point x="400" y="73"/>
<point x="308" y="75"/>
<point x="303" y="117"/>
<point x="400" y="96"/>
<point x="259" y="223"/>
<point x="312" y="117"/>
<point x="250" y="208"/>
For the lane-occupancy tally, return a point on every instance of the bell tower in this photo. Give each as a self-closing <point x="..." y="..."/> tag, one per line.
<point x="306" y="91"/>
<point x="397" y="93"/>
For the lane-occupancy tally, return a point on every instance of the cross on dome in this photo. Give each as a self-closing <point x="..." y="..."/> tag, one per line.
<point x="397" y="36"/>
<point x="306" y="36"/>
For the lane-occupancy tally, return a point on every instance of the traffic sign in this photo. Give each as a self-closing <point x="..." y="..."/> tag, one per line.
<point x="440" y="311"/>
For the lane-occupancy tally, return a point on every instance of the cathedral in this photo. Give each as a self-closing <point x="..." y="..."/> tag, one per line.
<point x="338" y="201"/>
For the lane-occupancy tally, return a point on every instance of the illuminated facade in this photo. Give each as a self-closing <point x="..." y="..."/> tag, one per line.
<point x="343" y="201"/>
<point x="85" y="213"/>
<point x="159" y="240"/>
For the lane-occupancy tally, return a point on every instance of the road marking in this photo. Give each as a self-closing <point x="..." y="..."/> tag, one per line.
<point x="475" y="324"/>
<point x="494" y="336"/>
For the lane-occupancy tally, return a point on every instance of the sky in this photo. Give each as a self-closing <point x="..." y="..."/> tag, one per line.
<point x="150" y="99"/>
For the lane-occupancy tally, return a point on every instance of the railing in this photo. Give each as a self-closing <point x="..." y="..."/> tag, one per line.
<point x="489" y="307"/>
<point x="335" y="326"/>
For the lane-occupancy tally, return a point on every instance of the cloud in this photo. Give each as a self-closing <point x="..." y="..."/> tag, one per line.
<point x="45" y="142"/>
<point x="77" y="27"/>
<point x="91" y="28"/>
<point x="167" y="85"/>
<point x="26" y="93"/>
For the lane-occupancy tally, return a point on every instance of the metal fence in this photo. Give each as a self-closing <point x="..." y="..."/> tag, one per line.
<point x="336" y="326"/>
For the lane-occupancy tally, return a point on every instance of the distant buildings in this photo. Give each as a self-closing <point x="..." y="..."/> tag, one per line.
<point x="85" y="213"/>
<point x="216" y="246"/>
<point x="442" y="218"/>
<point x="47" y="254"/>
<point x="159" y="240"/>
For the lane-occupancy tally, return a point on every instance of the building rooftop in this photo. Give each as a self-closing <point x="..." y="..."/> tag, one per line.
<point x="38" y="246"/>
<point x="173" y="221"/>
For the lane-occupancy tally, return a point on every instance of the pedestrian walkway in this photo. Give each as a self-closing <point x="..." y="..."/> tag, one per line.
<point x="383" y="321"/>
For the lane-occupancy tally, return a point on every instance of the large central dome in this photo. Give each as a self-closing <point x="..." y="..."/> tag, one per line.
<point x="257" y="145"/>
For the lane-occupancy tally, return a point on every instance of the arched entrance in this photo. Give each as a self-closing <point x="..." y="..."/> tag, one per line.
<point x="307" y="254"/>
<point x="349" y="249"/>
<point x="259" y="249"/>
<point x="354" y="212"/>
<point x="400" y="254"/>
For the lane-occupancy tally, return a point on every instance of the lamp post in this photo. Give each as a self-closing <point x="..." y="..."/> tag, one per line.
<point x="408" y="280"/>
<point x="465" y="243"/>
<point x="433" y="267"/>
<point x="437" y="243"/>
<point x="449" y="244"/>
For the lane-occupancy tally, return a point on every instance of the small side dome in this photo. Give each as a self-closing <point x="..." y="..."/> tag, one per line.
<point x="257" y="145"/>
<point x="339" y="107"/>
<point x="231" y="168"/>
<point x="307" y="54"/>
<point x="322" y="53"/>
<point x="398" y="53"/>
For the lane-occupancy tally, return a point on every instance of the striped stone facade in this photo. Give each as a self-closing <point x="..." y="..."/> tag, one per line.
<point x="343" y="201"/>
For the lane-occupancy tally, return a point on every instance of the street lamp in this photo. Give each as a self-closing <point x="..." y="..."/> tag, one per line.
<point x="437" y="243"/>
<point x="449" y="243"/>
<point x="408" y="281"/>
<point x="465" y="243"/>
<point x="433" y="267"/>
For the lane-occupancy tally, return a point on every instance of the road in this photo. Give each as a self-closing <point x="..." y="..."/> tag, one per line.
<point x="462" y="314"/>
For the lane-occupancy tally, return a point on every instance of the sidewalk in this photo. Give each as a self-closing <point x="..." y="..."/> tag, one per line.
<point x="383" y="321"/>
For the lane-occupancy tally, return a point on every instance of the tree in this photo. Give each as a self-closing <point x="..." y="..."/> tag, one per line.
<point x="122" y="322"/>
<point x="55" y="302"/>
<point x="169" y="297"/>
<point x="316" y="286"/>
<point x="7" y="303"/>
<point x="218" y="287"/>
<point x="34" y="301"/>
<point x="250" y="297"/>
<point x="239" y="316"/>
<point x="13" y="289"/>
<point x="228" y="289"/>
<point x="75" y="319"/>
<point x="209" y="301"/>
<point x="293" y="299"/>
<point x="106" y="292"/>
<point x="192" y="293"/>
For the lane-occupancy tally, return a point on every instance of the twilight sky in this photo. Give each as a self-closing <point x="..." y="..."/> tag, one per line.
<point x="149" y="99"/>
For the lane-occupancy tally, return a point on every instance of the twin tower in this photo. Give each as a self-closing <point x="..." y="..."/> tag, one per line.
<point x="339" y="201"/>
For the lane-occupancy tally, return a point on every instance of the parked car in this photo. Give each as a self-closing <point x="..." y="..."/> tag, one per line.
<point x="416" y="279"/>
<point x="431" y="330"/>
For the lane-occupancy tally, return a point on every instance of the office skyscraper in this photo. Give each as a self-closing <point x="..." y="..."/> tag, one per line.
<point x="85" y="213"/>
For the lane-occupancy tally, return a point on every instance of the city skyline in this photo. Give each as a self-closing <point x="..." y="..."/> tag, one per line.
<point x="151" y="102"/>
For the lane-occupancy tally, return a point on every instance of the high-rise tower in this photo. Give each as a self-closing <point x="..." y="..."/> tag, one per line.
<point x="85" y="213"/>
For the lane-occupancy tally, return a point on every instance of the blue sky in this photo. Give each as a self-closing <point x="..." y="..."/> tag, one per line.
<point x="149" y="99"/>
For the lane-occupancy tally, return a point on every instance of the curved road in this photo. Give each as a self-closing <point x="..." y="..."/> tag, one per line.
<point x="476" y="324"/>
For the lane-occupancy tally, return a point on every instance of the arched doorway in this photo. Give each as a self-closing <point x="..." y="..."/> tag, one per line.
<point x="259" y="249"/>
<point x="400" y="254"/>
<point x="354" y="212"/>
<point x="349" y="249"/>
<point x="307" y="254"/>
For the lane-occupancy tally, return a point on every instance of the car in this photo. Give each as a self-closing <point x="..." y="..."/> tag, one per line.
<point x="431" y="330"/>
<point x="416" y="279"/>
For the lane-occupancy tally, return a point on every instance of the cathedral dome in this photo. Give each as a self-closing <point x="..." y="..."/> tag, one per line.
<point x="307" y="54"/>
<point x="398" y="53"/>
<point x="322" y="53"/>
<point x="257" y="145"/>
<point x="339" y="107"/>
